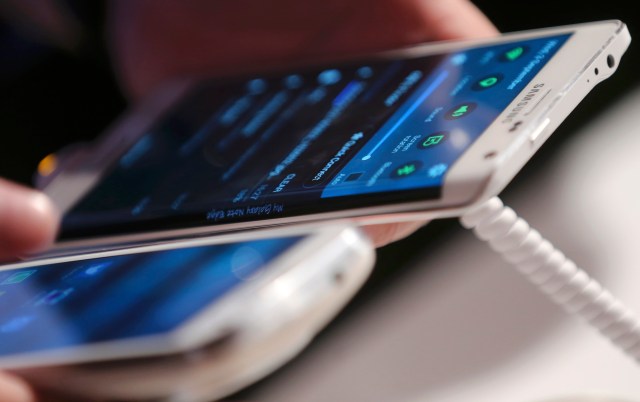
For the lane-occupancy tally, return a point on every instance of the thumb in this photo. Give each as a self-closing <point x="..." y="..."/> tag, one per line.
<point x="383" y="234"/>
<point x="28" y="220"/>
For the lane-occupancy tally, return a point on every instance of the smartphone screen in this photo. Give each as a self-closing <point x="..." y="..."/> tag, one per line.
<point x="319" y="140"/>
<point x="61" y="305"/>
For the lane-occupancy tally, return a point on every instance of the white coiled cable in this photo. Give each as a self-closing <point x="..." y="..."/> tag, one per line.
<point x="553" y="273"/>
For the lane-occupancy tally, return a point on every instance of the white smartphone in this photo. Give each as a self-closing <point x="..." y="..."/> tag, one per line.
<point x="192" y="320"/>
<point x="419" y="133"/>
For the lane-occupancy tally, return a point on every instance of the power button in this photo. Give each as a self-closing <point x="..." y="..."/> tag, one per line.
<point x="535" y="134"/>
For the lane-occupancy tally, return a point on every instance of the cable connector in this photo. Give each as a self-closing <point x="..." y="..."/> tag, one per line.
<point x="553" y="273"/>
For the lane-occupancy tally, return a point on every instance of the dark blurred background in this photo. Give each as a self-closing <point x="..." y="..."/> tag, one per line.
<point x="53" y="96"/>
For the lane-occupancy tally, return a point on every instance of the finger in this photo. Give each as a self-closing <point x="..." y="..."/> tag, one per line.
<point x="28" y="220"/>
<point x="454" y="19"/>
<point x="381" y="235"/>
<point x="383" y="25"/>
<point x="154" y="41"/>
<point x="13" y="389"/>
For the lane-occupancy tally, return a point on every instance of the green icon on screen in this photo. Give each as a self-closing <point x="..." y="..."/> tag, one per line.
<point x="487" y="82"/>
<point x="432" y="140"/>
<point x="514" y="53"/>
<point x="406" y="169"/>
<point x="460" y="111"/>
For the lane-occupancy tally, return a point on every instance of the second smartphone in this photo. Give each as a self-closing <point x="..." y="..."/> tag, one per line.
<point x="192" y="320"/>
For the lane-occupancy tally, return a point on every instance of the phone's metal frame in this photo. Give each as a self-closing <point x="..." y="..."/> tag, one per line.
<point x="481" y="172"/>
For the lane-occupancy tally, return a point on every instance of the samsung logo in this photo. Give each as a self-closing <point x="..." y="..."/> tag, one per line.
<point x="526" y="99"/>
